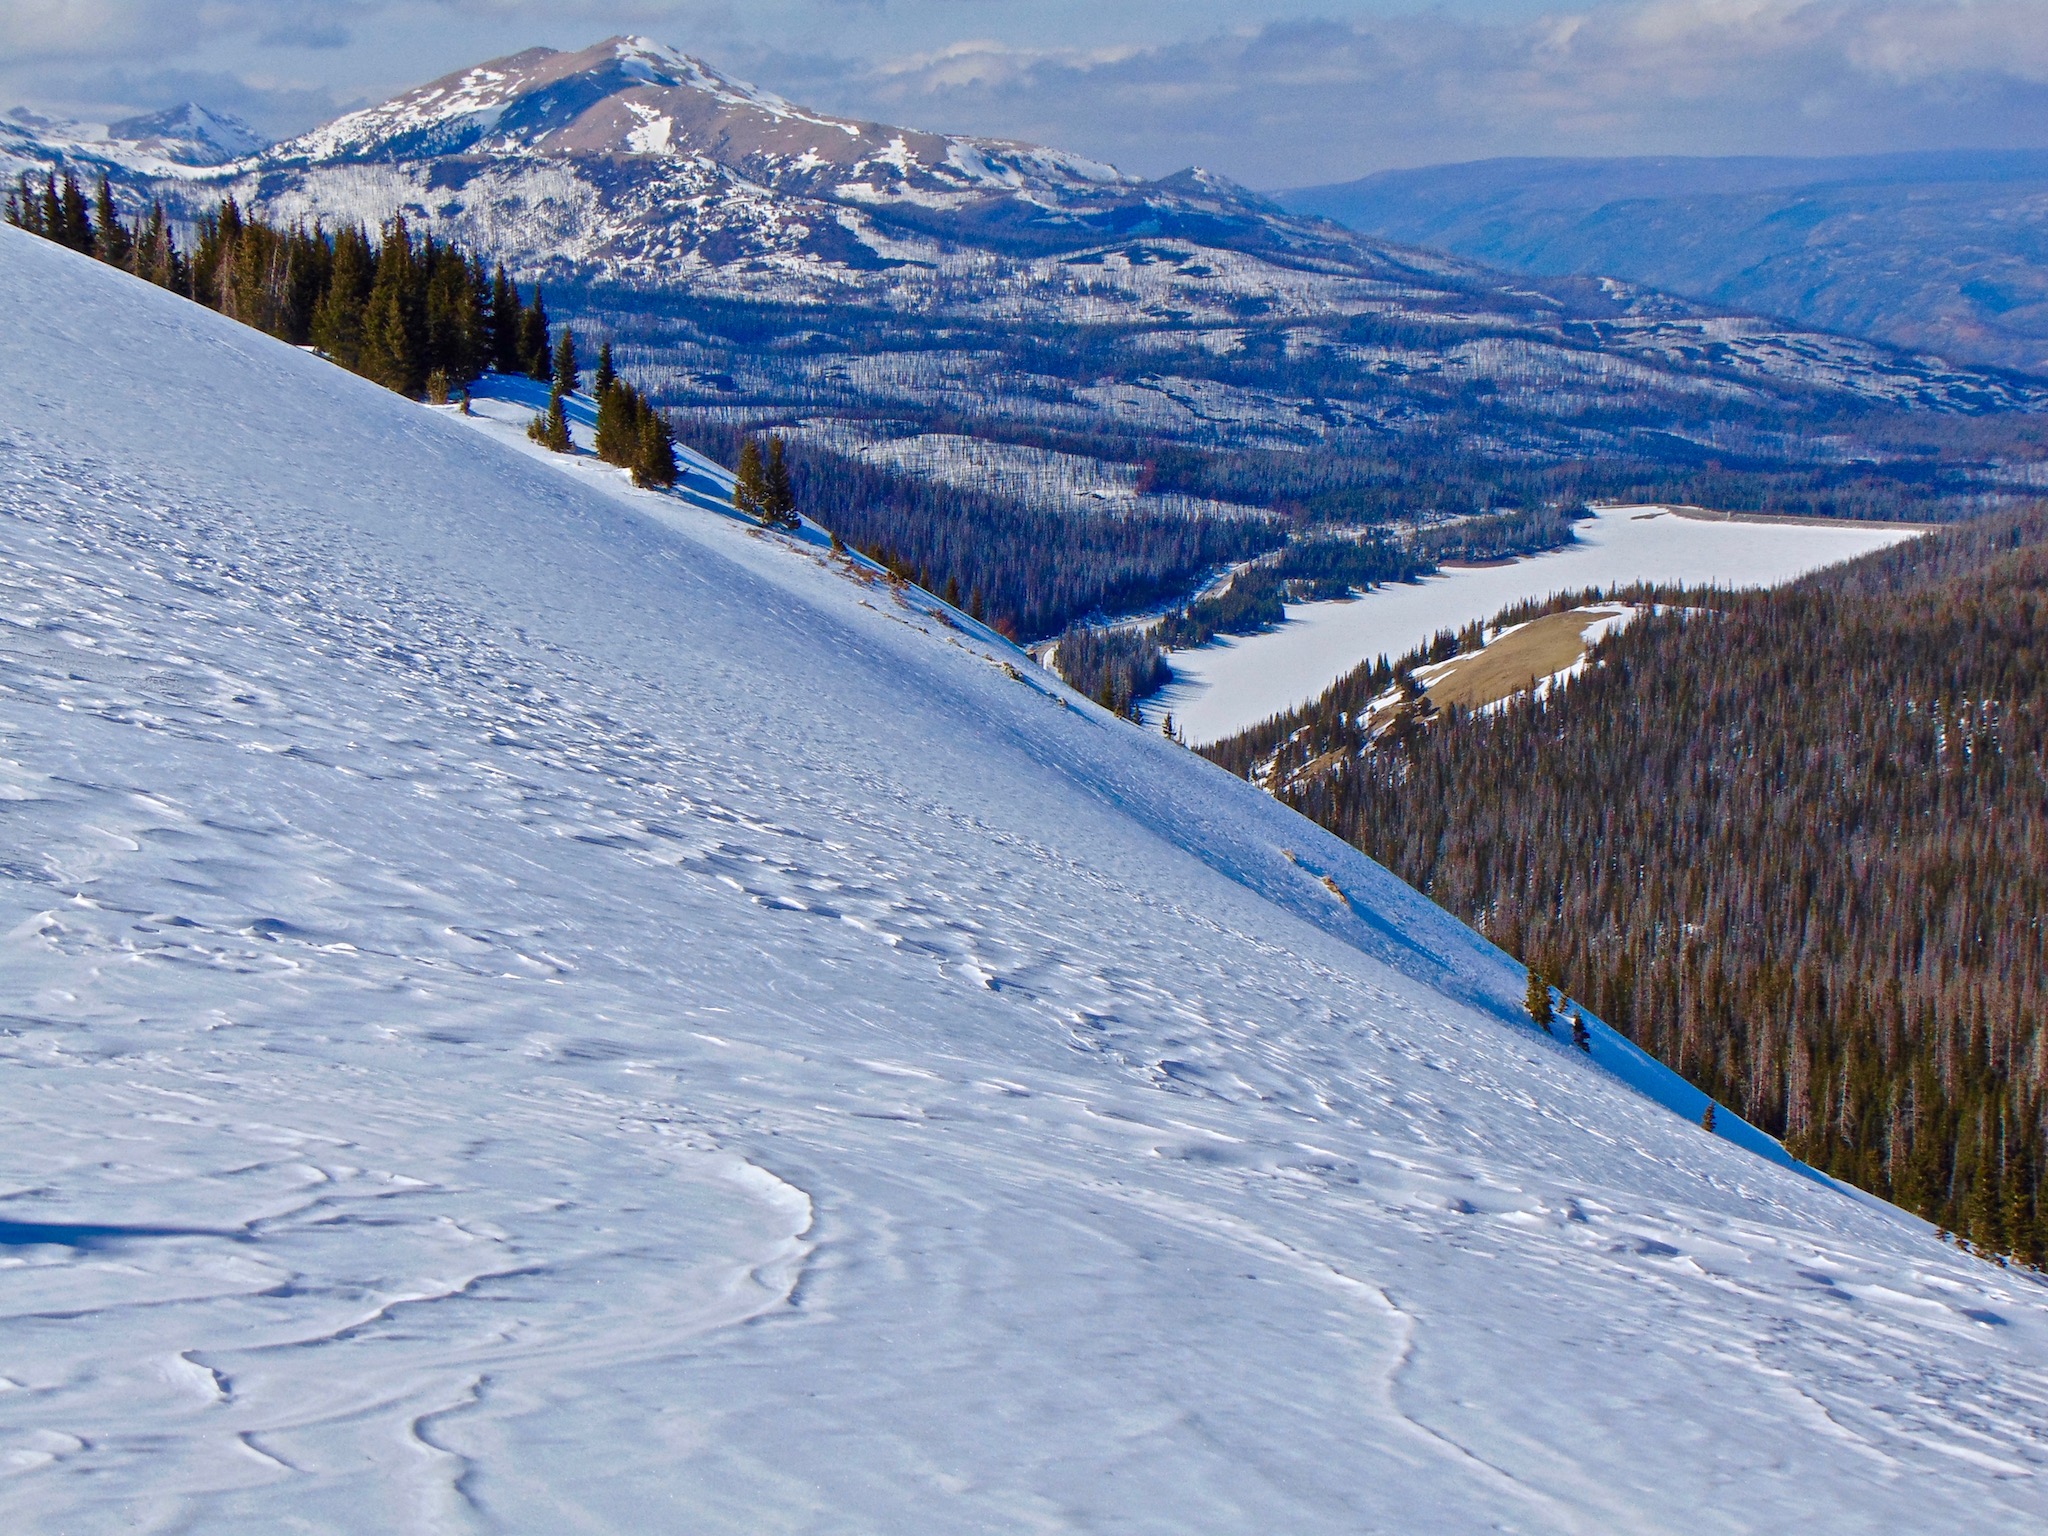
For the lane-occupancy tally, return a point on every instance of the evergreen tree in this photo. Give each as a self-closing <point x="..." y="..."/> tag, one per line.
<point x="505" y="319"/>
<point x="338" y="318"/>
<point x="533" y="338"/>
<point x="566" y="371"/>
<point x="602" y="381"/>
<point x="618" y="425"/>
<point x="1581" y="1036"/>
<point x="391" y="349"/>
<point x="1707" y="1119"/>
<point x="1537" y="998"/>
<point x="112" y="243"/>
<point x="75" y="226"/>
<point x="778" y="497"/>
<point x="558" y="423"/>
<point x="24" y="208"/>
<point x="477" y="312"/>
<point x="655" y="464"/>
<point x="50" y="222"/>
<point x="156" y="257"/>
<point x="387" y="355"/>
<point x="550" y="428"/>
<point x="453" y="339"/>
<point x="750" y="488"/>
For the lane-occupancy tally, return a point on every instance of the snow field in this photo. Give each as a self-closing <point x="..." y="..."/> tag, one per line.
<point x="531" y="1006"/>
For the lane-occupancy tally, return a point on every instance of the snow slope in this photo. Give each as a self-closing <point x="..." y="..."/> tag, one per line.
<point x="530" y="1006"/>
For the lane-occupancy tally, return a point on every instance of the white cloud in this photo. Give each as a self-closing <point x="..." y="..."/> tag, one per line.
<point x="1304" y="100"/>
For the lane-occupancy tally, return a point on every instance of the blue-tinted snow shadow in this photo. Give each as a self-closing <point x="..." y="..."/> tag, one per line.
<point x="60" y="1234"/>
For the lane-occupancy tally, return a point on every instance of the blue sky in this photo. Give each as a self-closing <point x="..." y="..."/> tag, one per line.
<point x="1273" y="92"/>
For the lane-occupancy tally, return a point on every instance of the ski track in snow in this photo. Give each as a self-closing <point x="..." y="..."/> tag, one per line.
<point x="530" y="1006"/>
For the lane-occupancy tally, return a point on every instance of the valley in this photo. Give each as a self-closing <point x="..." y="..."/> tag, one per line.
<point x="1783" y="837"/>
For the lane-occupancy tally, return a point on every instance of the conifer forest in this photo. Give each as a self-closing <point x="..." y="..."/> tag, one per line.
<point x="1793" y="843"/>
<point x="412" y="313"/>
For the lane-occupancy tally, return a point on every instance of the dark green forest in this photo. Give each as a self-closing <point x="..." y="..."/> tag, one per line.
<point x="415" y="314"/>
<point x="1793" y="843"/>
<point x="1026" y="570"/>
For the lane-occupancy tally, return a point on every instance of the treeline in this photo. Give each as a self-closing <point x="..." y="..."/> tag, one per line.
<point x="1028" y="572"/>
<point x="1794" y="843"/>
<point x="1321" y="569"/>
<point x="1316" y="568"/>
<point x="631" y="433"/>
<point x="415" y="314"/>
<point x="1114" y="667"/>
<point x="1498" y="536"/>
<point x="1427" y="474"/>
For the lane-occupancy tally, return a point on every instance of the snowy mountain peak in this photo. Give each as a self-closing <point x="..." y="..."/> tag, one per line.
<point x="632" y="96"/>
<point x="189" y="134"/>
<point x="179" y="142"/>
<point x="635" y="158"/>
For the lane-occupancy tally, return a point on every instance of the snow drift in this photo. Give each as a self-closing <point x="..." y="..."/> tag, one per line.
<point x="531" y="1006"/>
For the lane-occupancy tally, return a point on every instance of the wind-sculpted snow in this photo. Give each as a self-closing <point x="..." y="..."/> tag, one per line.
<point x="530" y="1005"/>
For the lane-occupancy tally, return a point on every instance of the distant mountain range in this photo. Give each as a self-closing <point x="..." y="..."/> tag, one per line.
<point x="631" y="160"/>
<point x="182" y="141"/>
<point x="1945" y="253"/>
<point x="946" y="307"/>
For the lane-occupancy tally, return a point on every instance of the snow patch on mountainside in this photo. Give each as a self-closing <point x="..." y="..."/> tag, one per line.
<point x="530" y="1004"/>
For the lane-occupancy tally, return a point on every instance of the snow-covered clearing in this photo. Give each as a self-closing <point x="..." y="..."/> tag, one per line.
<point x="1237" y="681"/>
<point x="530" y="1006"/>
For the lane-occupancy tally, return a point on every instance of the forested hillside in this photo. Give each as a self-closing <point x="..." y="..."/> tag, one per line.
<point x="1794" y="843"/>
<point x="1935" y="252"/>
<point x="416" y="314"/>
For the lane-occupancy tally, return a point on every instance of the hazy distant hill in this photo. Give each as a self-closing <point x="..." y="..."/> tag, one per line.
<point x="1943" y="252"/>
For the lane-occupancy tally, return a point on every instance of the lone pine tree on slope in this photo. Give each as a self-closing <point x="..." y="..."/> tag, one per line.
<point x="552" y="429"/>
<point x="778" y="496"/>
<point x="1538" y="999"/>
<point x="750" y="483"/>
<point x="566" y="371"/>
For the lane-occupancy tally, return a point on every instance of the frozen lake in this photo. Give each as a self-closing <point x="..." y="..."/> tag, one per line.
<point x="1238" y="681"/>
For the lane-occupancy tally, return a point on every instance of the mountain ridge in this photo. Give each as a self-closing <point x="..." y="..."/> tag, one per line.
<point x="632" y="162"/>
<point x="1936" y="251"/>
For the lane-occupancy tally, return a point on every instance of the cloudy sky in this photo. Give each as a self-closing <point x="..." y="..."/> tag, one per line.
<point x="1273" y="92"/>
